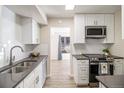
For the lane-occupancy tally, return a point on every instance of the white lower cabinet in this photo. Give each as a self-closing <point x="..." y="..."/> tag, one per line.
<point x="36" y="78"/>
<point x="29" y="81"/>
<point x="118" y="67"/>
<point x="44" y="70"/>
<point x="81" y="72"/>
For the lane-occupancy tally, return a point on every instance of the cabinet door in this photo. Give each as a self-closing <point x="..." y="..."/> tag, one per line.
<point x="20" y="85"/>
<point x="90" y="20"/>
<point x="35" y="32"/>
<point x="75" y="69"/>
<point x="37" y="77"/>
<point x="31" y="31"/>
<point x="29" y="81"/>
<point x="118" y="66"/>
<point x="26" y="30"/>
<point x="109" y="23"/>
<point x="44" y="71"/>
<point x="94" y="19"/>
<point x="79" y="29"/>
<point x="100" y="19"/>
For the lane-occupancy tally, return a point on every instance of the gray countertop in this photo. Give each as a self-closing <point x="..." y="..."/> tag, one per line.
<point x="114" y="81"/>
<point x="82" y="57"/>
<point x="10" y="80"/>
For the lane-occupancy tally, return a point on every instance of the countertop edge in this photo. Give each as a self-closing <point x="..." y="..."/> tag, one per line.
<point x="97" y="77"/>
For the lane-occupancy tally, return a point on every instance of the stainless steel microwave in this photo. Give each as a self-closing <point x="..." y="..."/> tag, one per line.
<point x="96" y="32"/>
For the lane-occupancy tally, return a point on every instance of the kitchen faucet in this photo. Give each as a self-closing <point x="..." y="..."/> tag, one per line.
<point x="11" y="59"/>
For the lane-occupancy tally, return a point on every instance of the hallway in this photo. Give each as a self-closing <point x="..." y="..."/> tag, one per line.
<point x="60" y="75"/>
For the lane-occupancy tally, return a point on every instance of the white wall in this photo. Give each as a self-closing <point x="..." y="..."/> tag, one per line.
<point x="54" y="39"/>
<point x="11" y="31"/>
<point x="118" y="47"/>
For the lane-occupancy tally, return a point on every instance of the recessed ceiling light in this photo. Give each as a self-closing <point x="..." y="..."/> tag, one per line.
<point x="69" y="7"/>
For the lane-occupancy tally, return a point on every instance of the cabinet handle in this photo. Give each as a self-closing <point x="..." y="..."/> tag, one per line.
<point x="37" y="79"/>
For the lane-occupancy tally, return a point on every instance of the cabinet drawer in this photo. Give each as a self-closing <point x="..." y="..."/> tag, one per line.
<point x="83" y="69"/>
<point x="83" y="76"/>
<point x="83" y="80"/>
<point x="83" y="61"/>
<point x="83" y="65"/>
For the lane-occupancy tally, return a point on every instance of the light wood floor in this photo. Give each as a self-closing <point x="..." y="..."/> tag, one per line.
<point x="60" y="76"/>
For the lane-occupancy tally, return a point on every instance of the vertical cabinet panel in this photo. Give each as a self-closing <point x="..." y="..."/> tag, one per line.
<point x="30" y="31"/>
<point x="94" y="19"/>
<point x="79" y="29"/>
<point x="29" y="81"/>
<point x="35" y="32"/>
<point x="109" y="22"/>
<point x="90" y="20"/>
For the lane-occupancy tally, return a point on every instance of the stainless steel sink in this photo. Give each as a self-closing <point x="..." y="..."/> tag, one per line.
<point x="16" y="69"/>
<point x="26" y="64"/>
<point x="21" y="67"/>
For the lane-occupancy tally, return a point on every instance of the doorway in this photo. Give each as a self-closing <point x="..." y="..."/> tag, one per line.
<point x="60" y="43"/>
<point x="60" y="59"/>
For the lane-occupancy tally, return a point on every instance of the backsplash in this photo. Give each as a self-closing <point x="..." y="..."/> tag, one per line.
<point x="10" y="32"/>
<point x="16" y="52"/>
<point x="93" y="46"/>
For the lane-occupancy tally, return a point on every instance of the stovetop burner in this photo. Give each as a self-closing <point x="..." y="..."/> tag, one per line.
<point x="98" y="57"/>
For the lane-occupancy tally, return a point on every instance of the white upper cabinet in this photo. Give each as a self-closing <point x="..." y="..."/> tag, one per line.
<point x="94" y="19"/>
<point x="79" y="29"/>
<point x="30" y="31"/>
<point x="109" y="23"/>
<point x="82" y="20"/>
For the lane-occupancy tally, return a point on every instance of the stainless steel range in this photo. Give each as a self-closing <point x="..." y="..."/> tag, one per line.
<point x="99" y="65"/>
<point x="99" y="58"/>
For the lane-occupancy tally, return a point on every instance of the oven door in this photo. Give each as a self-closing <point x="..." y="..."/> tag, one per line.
<point x="94" y="71"/>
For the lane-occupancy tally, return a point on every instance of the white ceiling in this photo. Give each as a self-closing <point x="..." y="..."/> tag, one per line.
<point x="59" y="10"/>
